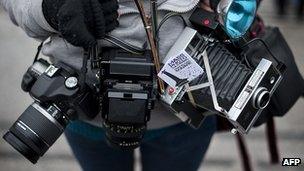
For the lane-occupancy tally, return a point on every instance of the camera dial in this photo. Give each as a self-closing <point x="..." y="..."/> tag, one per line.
<point x="71" y="82"/>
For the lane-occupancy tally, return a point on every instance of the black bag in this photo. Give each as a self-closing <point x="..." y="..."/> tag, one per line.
<point x="292" y="85"/>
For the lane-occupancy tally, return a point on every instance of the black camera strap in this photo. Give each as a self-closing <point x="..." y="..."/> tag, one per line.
<point x="89" y="54"/>
<point x="124" y="45"/>
<point x="83" y="71"/>
<point x="38" y="52"/>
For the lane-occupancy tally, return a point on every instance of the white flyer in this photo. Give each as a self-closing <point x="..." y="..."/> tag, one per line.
<point x="180" y="70"/>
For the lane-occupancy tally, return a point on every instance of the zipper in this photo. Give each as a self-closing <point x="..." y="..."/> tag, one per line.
<point x="181" y="12"/>
<point x="163" y="9"/>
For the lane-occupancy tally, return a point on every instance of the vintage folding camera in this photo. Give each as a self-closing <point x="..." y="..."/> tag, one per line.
<point x="228" y="86"/>
<point x="128" y="87"/>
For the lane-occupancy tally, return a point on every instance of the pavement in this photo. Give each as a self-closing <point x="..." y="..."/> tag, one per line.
<point x="16" y="54"/>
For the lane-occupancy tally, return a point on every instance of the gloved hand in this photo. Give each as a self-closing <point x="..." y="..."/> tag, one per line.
<point x="81" y="22"/>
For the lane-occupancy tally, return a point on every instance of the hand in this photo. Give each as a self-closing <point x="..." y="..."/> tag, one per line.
<point x="81" y="22"/>
<point x="205" y="4"/>
<point x="209" y="5"/>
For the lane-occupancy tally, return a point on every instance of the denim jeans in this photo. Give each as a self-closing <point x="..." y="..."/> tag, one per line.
<point x="176" y="148"/>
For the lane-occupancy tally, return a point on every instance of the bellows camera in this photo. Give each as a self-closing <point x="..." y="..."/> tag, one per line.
<point x="128" y="88"/>
<point x="59" y="98"/>
<point x="227" y="86"/>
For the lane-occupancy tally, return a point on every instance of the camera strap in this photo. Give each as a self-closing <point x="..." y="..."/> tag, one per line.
<point x="124" y="45"/>
<point x="151" y="39"/>
<point x="89" y="54"/>
<point x="38" y="52"/>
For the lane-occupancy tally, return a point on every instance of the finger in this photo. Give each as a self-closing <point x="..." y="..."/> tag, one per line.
<point x="207" y="2"/>
<point x="111" y="26"/>
<point x="111" y="22"/>
<point x="76" y="33"/>
<point x="206" y="7"/>
<point x="109" y="18"/>
<point x="213" y="4"/>
<point x="99" y="19"/>
<point x="109" y="7"/>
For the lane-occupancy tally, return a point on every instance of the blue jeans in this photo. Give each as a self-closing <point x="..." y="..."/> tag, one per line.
<point x="177" y="148"/>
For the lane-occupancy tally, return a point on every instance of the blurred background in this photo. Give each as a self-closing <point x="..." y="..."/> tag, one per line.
<point x="16" y="54"/>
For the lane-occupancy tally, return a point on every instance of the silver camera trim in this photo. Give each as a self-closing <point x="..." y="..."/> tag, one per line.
<point x="249" y="89"/>
<point x="256" y="102"/>
<point x="234" y="113"/>
<point x="51" y="70"/>
<point x="38" y="67"/>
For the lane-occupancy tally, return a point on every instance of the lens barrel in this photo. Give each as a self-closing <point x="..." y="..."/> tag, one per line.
<point x="34" y="132"/>
<point x="261" y="98"/>
<point x="124" y="136"/>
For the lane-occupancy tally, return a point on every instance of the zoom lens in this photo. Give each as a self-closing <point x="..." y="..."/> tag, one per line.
<point x="36" y="130"/>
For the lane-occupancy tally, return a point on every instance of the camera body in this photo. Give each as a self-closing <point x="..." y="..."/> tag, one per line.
<point x="227" y="86"/>
<point x="255" y="96"/>
<point x="128" y="87"/>
<point x="58" y="99"/>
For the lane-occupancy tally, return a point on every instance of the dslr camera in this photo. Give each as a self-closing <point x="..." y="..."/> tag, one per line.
<point x="227" y="85"/>
<point x="59" y="99"/>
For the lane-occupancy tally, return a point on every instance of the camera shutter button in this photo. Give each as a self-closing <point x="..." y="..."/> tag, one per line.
<point x="71" y="82"/>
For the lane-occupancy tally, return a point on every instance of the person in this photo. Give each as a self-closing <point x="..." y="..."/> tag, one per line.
<point x="300" y="11"/>
<point x="71" y="26"/>
<point x="283" y="4"/>
<point x="281" y="7"/>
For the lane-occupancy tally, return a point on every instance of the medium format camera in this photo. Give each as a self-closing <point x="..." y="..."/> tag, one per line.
<point x="128" y="89"/>
<point x="59" y="98"/>
<point x="227" y="86"/>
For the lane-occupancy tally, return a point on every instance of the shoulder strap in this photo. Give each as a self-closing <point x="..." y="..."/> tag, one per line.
<point x="124" y="45"/>
<point x="152" y="42"/>
<point x="38" y="52"/>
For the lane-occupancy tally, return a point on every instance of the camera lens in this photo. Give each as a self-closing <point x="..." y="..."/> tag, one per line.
<point x="21" y="147"/>
<point x="35" y="131"/>
<point x="261" y="98"/>
<point x="124" y="136"/>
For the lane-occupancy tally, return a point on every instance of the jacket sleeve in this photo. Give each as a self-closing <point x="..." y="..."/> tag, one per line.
<point x="28" y="15"/>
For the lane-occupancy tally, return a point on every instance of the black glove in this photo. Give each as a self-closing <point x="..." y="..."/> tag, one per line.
<point x="81" y="22"/>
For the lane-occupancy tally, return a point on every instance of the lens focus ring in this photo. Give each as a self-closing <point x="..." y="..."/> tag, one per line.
<point x="33" y="133"/>
<point x="261" y="98"/>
